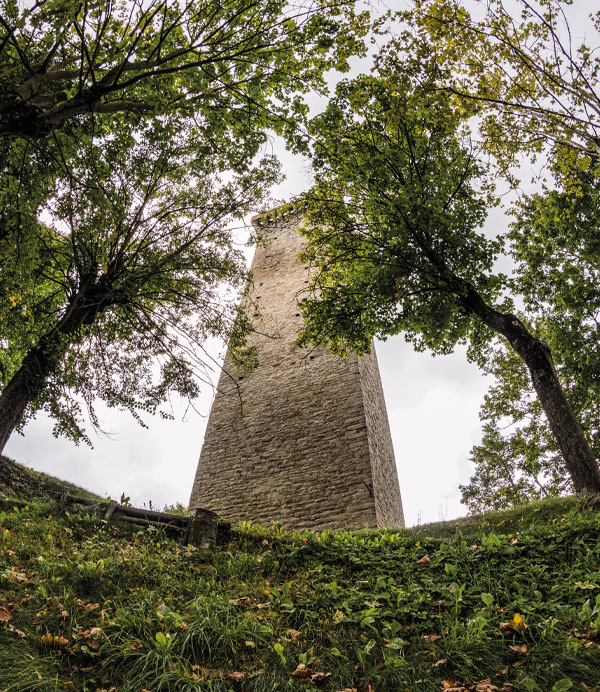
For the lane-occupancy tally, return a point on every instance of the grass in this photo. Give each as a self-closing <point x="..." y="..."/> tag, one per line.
<point x="505" y="601"/>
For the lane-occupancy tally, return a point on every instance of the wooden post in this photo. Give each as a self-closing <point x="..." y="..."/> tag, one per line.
<point x="110" y="510"/>
<point x="203" y="529"/>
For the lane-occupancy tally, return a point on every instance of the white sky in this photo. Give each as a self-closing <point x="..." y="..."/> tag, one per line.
<point x="432" y="404"/>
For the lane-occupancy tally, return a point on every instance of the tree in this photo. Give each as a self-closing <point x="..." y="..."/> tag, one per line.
<point x="516" y="66"/>
<point x="138" y="254"/>
<point x="235" y="65"/>
<point x="393" y="235"/>
<point x="555" y="244"/>
<point x="120" y="124"/>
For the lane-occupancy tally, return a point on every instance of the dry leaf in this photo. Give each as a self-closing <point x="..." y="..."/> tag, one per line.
<point x="69" y="685"/>
<point x="17" y="632"/>
<point x="48" y="639"/>
<point x="233" y="676"/>
<point x="234" y="601"/>
<point x="517" y="624"/>
<point x="61" y="641"/>
<point x="519" y="649"/>
<point x="452" y="686"/>
<point x="317" y="678"/>
<point x="485" y="686"/>
<point x="431" y="637"/>
<point x="425" y="560"/>
<point x="10" y="553"/>
<point x="92" y="606"/>
<point x="5" y="615"/>
<point x="301" y="671"/>
<point x="441" y="662"/>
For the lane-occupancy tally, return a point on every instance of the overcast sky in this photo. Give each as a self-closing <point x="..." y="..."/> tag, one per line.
<point x="432" y="405"/>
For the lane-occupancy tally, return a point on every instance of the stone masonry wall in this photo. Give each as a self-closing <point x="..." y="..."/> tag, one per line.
<point x="291" y="441"/>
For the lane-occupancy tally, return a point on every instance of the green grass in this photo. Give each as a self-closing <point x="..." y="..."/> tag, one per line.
<point x="88" y="606"/>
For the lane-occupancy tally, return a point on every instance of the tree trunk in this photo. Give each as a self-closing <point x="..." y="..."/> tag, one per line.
<point x="41" y="360"/>
<point x="579" y="458"/>
<point x="25" y="385"/>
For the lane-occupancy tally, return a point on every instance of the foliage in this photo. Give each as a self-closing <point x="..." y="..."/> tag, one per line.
<point x="234" y="65"/>
<point x="394" y="217"/>
<point x="517" y="66"/>
<point x="116" y="118"/>
<point x="139" y="269"/>
<point x="555" y="245"/>
<point x="87" y="606"/>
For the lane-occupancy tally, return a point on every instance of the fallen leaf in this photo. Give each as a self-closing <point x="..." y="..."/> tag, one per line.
<point x="234" y="601"/>
<point x="69" y="685"/>
<point x="17" y="632"/>
<point x="231" y="675"/>
<point x="485" y="686"/>
<point x="317" y="678"/>
<point x="301" y="671"/>
<point x="441" y="662"/>
<point x="452" y="686"/>
<point x="425" y="560"/>
<point x="92" y="606"/>
<point x="5" y="615"/>
<point x="61" y="641"/>
<point x="473" y="548"/>
<point x="10" y="553"/>
<point x="517" y="624"/>
<point x="519" y="649"/>
<point x="431" y="637"/>
<point x="48" y="639"/>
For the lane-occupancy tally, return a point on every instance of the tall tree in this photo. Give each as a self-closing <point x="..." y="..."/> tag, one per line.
<point x="555" y="243"/>
<point x="120" y="125"/>
<point x="394" y="217"/>
<point x="139" y="269"/>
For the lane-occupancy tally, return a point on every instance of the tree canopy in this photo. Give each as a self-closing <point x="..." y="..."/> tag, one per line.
<point x="139" y="269"/>
<point x="232" y="64"/>
<point x="129" y="138"/>
<point x="394" y="236"/>
<point x="518" y="67"/>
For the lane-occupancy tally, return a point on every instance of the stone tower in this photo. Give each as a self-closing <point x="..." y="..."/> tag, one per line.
<point x="304" y="439"/>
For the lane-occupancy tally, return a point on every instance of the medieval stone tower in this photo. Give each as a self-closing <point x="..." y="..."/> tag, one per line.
<point x="304" y="439"/>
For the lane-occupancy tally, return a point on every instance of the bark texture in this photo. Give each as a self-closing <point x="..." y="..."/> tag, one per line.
<point x="579" y="458"/>
<point x="41" y="360"/>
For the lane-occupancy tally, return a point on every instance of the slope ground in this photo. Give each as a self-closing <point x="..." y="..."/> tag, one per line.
<point x="506" y="601"/>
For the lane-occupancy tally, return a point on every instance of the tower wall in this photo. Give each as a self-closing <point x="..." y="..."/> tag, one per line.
<point x="304" y="439"/>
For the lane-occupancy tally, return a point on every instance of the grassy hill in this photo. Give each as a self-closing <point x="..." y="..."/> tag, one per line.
<point x="505" y="601"/>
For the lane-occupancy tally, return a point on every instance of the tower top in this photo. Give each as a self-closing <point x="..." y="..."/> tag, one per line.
<point x="283" y="212"/>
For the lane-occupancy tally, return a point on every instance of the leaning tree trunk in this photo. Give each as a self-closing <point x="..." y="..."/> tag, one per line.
<point x="41" y="360"/>
<point x="577" y="454"/>
<point x="25" y="386"/>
